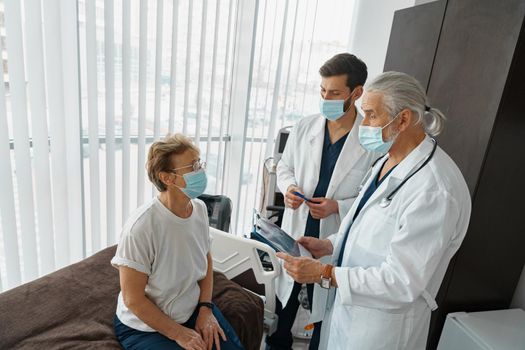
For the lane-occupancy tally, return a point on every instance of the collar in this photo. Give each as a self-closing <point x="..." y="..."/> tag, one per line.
<point x="318" y="126"/>
<point x="412" y="160"/>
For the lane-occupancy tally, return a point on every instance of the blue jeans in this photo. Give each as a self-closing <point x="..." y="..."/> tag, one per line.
<point x="132" y="339"/>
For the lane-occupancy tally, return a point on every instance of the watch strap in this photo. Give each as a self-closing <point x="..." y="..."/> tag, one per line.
<point x="205" y="304"/>
<point x="327" y="271"/>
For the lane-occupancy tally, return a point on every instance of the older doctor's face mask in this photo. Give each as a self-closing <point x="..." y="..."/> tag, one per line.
<point x="371" y="137"/>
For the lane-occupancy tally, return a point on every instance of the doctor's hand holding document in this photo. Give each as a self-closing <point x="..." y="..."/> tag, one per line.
<point x="393" y="247"/>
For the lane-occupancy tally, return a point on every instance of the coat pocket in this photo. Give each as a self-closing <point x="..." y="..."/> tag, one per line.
<point x="376" y="230"/>
<point x="376" y="329"/>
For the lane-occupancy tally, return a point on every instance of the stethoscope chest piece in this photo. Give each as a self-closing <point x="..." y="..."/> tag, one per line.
<point x="385" y="202"/>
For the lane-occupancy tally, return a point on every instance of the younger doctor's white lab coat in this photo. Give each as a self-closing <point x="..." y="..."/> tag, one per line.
<point x="300" y="165"/>
<point x="395" y="257"/>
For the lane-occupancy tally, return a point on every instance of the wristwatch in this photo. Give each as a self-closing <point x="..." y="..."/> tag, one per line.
<point x="205" y="304"/>
<point x="326" y="276"/>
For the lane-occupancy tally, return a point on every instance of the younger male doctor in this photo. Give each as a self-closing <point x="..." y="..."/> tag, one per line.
<point x="394" y="245"/>
<point x="324" y="162"/>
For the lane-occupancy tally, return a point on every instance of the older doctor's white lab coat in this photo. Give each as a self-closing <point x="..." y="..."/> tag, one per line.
<point x="395" y="257"/>
<point x="300" y="165"/>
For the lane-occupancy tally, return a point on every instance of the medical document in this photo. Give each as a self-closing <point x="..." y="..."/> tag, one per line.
<point x="267" y="232"/>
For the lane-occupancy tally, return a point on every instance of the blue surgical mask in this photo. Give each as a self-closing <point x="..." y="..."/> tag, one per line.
<point x="196" y="182"/>
<point x="332" y="109"/>
<point x="371" y="138"/>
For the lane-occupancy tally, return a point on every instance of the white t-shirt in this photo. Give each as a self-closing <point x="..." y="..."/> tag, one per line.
<point x="172" y="252"/>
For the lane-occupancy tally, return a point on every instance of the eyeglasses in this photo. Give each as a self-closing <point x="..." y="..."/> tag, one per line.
<point x="196" y="166"/>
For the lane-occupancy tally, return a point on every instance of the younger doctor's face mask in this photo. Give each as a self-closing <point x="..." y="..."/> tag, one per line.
<point x="371" y="137"/>
<point x="332" y="109"/>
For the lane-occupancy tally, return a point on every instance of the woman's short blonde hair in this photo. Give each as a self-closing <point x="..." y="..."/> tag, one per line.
<point x="159" y="156"/>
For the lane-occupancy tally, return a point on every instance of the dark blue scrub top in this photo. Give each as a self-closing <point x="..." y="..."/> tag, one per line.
<point x="374" y="185"/>
<point x="328" y="160"/>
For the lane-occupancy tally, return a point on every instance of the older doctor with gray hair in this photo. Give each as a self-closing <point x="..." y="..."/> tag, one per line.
<point x="393" y="247"/>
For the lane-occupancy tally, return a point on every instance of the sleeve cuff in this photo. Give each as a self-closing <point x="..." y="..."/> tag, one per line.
<point x="118" y="261"/>
<point x="343" y="284"/>
<point x="342" y="208"/>
<point x="333" y="239"/>
<point x="283" y="186"/>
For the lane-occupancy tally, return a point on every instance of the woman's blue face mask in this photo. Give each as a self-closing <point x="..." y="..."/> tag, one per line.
<point x="196" y="180"/>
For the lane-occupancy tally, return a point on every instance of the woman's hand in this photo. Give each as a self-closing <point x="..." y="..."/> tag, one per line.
<point x="209" y="328"/>
<point x="321" y="208"/>
<point x="189" y="339"/>
<point x="302" y="269"/>
<point x="317" y="247"/>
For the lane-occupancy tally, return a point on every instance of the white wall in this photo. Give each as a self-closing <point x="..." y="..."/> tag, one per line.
<point x="370" y="32"/>
<point x="519" y="294"/>
<point x="419" y="2"/>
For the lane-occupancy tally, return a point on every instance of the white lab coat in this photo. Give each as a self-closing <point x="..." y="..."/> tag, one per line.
<point x="300" y="165"/>
<point x="395" y="257"/>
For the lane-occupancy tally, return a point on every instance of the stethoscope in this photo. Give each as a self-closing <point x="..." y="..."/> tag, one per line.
<point x="385" y="202"/>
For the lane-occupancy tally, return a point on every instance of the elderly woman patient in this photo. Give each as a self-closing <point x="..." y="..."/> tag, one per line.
<point x="164" y="260"/>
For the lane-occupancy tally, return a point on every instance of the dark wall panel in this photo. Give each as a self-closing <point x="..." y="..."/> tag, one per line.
<point x="489" y="264"/>
<point x="476" y="75"/>
<point x="472" y="62"/>
<point x="413" y="40"/>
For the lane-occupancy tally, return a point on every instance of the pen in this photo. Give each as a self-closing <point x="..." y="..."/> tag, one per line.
<point x="298" y="194"/>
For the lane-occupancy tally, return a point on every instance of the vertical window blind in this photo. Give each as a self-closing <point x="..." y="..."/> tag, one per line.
<point x="149" y="68"/>
<point x="293" y="39"/>
<point x="88" y="85"/>
<point x="41" y="207"/>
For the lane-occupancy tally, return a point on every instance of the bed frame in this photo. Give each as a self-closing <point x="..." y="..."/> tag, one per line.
<point x="232" y="255"/>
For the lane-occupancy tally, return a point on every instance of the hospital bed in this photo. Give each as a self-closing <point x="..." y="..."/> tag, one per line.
<point x="233" y="256"/>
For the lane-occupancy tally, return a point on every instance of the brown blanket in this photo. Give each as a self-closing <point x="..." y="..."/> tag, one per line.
<point x="73" y="308"/>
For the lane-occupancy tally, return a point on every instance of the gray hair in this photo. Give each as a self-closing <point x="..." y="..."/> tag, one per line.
<point x="402" y="91"/>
